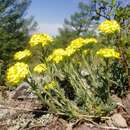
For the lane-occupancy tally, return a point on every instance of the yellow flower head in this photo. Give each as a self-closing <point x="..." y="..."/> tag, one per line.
<point x="22" y="54"/>
<point x="43" y="39"/>
<point x="77" y="43"/>
<point x="57" y="55"/>
<point x="40" y="68"/>
<point x="16" y="73"/>
<point x="74" y="45"/>
<point x="50" y="85"/>
<point x="46" y="40"/>
<point x="90" y="40"/>
<point x="108" y="53"/>
<point x="109" y="26"/>
<point x="70" y="51"/>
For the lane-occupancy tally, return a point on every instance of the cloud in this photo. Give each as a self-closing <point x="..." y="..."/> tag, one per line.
<point x="50" y="28"/>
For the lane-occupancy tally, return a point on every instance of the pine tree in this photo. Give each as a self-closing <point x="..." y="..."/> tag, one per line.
<point x="14" y="27"/>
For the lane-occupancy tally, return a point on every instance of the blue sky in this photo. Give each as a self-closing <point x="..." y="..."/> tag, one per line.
<point x="50" y="14"/>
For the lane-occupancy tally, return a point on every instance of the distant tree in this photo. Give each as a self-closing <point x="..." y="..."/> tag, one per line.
<point x="14" y="27"/>
<point x="66" y="34"/>
<point x="81" y="20"/>
<point x="84" y="21"/>
<point x="111" y="9"/>
<point x="79" y="24"/>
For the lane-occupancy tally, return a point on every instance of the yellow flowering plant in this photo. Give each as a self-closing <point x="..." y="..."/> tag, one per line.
<point x="72" y="85"/>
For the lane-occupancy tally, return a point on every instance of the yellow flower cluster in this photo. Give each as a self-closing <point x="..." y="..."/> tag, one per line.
<point x="22" y="54"/>
<point x="43" y="39"/>
<point x="40" y="68"/>
<point x="16" y="73"/>
<point x="74" y="46"/>
<point x="109" y="26"/>
<point x="50" y="85"/>
<point x="57" y="55"/>
<point x="108" y="53"/>
<point x="77" y="44"/>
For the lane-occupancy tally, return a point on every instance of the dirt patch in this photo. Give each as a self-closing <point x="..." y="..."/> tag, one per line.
<point x="28" y="114"/>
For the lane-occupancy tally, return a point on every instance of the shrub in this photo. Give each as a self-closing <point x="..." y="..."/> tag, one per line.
<point x="80" y="77"/>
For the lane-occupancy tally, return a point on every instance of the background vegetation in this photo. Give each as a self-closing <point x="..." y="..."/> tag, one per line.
<point x="14" y="30"/>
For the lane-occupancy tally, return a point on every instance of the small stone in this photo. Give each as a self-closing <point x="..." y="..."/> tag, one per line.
<point x="126" y="103"/>
<point x="109" y="123"/>
<point x="23" y="92"/>
<point x="119" y="121"/>
<point x="3" y="113"/>
<point x="117" y="100"/>
<point x="128" y="96"/>
<point x="12" y="128"/>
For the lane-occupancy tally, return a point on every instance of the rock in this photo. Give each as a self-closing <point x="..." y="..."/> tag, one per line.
<point x="128" y="96"/>
<point x="69" y="126"/>
<point x="22" y="92"/>
<point x="126" y="103"/>
<point x="6" y="112"/>
<point x="110" y="123"/>
<point x="3" y="127"/>
<point x="3" y="112"/>
<point x="120" y="108"/>
<point x="117" y="100"/>
<point x="12" y="128"/>
<point x="85" y="126"/>
<point x="119" y="121"/>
